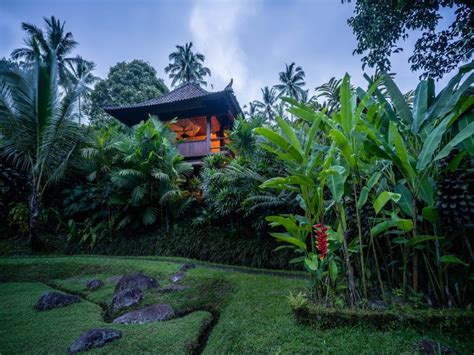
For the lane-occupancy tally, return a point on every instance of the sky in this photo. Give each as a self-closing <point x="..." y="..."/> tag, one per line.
<point x="247" y="40"/>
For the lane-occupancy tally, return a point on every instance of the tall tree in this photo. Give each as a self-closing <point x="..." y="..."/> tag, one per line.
<point x="54" y="40"/>
<point x="126" y="83"/>
<point x="80" y="71"/>
<point x="291" y="81"/>
<point x="186" y="65"/>
<point x="37" y="128"/>
<point x="380" y="25"/>
<point x="269" y="99"/>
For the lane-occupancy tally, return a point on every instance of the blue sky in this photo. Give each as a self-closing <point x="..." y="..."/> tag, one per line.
<point x="248" y="40"/>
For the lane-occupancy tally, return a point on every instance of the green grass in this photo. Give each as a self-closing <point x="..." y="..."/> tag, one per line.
<point x="253" y="314"/>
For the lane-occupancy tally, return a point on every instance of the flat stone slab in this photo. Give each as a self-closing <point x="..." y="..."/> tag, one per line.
<point x="94" y="338"/>
<point x="154" y="313"/>
<point x="53" y="299"/>
<point x="94" y="284"/>
<point x="126" y="298"/>
<point x="178" y="276"/>
<point x="135" y="280"/>
<point x="171" y="288"/>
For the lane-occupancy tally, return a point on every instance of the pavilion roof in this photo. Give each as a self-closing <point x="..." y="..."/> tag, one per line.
<point x="188" y="96"/>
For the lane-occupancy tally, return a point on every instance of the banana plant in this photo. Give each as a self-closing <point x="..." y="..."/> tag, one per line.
<point x="419" y="137"/>
<point x="344" y="133"/>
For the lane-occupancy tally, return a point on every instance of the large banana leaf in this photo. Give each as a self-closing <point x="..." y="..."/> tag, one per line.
<point x="402" y="151"/>
<point x="398" y="100"/>
<point x="420" y="106"/>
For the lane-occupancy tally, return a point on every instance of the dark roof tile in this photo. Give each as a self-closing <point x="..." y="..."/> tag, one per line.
<point x="184" y="92"/>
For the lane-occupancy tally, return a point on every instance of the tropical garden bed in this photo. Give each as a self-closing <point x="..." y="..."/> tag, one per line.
<point x="220" y="312"/>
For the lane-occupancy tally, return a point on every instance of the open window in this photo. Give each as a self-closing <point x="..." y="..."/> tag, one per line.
<point x="219" y="137"/>
<point x="190" y="129"/>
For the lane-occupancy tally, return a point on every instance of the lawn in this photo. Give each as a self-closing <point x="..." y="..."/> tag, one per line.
<point x="221" y="311"/>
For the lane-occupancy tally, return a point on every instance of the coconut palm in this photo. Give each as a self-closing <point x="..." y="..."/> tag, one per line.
<point x="291" y="81"/>
<point x="251" y="110"/>
<point x="80" y="71"/>
<point x="44" y="43"/>
<point x="187" y="66"/>
<point x="269" y="99"/>
<point x="37" y="128"/>
<point x="330" y="91"/>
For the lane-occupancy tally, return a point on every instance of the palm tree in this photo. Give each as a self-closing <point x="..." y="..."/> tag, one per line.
<point x="37" y="128"/>
<point x="80" y="71"/>
<point x="269" y="99"/>
<point x="292" y="81"/>
<point x="150" y="176"/>
<point x="242" y="138"/>
<point x="331" y="92"/>
<point x="187" y="66"/>
<point x="40" y="43"/>
<point x="252" y="109"/>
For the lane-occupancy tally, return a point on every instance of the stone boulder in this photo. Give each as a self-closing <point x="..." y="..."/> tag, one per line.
<point x="94" y="284"/>
<point x="135" y="280"/>
<point x="126" y="298"/>
<point x="178" y="276"/>
<point x="430" y="347"/>
<point x="171" y="288"/>
<point x="154" y="313"/>
<point x="94" y="338"/>
<point x="54" y="299"/>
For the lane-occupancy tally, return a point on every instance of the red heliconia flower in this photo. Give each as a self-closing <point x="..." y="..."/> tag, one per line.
<point x="321" y="239"/>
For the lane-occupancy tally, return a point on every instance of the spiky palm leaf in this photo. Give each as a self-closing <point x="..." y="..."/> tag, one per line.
<point x="186" y="66"/>
<point x="54" y="41"/>
<point x="291" y="81"/>
<point x="36" y="125"/>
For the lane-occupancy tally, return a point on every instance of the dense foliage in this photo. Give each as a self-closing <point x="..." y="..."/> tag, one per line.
<point x="380" y="25"/>
<point x="126" y="83"/>
<point x="371" y="189"/>
<point x="368" y="189"/>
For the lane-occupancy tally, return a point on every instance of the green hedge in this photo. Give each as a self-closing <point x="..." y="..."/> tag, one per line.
<point x="208" y="243"/>
<point x="452" y="321"/>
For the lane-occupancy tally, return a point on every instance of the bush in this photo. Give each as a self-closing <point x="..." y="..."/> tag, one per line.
<point x="453" y="321"/>
<point x="208" y="243"/>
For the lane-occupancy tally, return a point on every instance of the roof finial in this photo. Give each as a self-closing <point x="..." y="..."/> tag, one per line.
<point x="229" y="86"/>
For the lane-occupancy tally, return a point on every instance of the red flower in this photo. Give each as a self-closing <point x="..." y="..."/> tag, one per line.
<point x="321" y="239"/>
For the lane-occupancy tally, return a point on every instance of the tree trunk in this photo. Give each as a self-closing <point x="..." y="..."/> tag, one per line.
<point x="415" y="254"/>
<point x="353" y="294"/>
<point x="34" y="205"/>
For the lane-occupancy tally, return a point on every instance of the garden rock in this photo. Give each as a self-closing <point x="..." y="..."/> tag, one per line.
<point x="94" y="338"/>
<point x="54" y="299"/>
<point x="171" y="288"/>
<point x="94" y="284"/>
<point x="430" y="347"/>
<point x="126" y="298"/>
<point x="154" y="313"/>
<point x="178" y="276"/>
<point x="135" y="280"/>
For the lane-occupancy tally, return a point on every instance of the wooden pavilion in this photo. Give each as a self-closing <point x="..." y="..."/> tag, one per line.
<point x="202" y="117"/>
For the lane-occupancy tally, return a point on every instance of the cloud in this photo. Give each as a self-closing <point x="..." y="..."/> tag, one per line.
<point x="216" y="29"/>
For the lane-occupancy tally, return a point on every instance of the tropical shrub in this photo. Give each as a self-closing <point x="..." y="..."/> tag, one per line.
<point x="381" y="152"/>
<point x="37" y="128"/>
